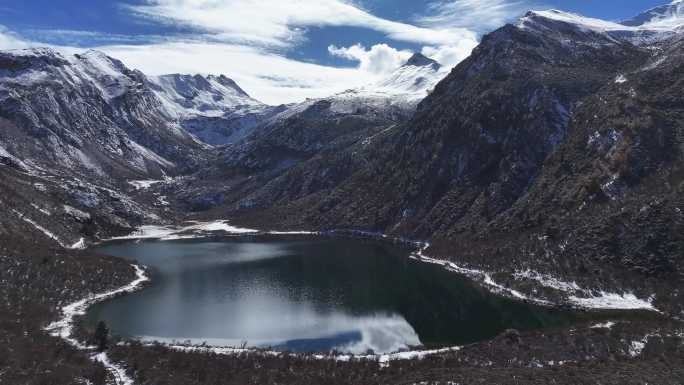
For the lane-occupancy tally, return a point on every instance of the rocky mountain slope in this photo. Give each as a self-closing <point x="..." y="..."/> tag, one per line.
<point x="552" y="160"/>
<point x="81" y="127"/>
<point x="556" y="145"/>
<point x="213" y="108"/>
<point x="87" y="114"/>
<point x="307" y="132"/>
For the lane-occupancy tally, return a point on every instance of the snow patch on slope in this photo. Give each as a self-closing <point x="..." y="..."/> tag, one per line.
<point x="79" y="245"/>
<point x="586" y="23"/>
<point x="107" y="73"/>
<point x="194" y="230"/>
<point x="577" y="296"/>
<point x="63" y="328"/>
<point x="615" y="301"/>
<point x="401" y="90"/>
<point x="6" y="155"/>
<point x="196" y="95"/>
<point x="144" y="184"/>
<point x="650" y="28"/>
<point x="38" y="227"/>
<point x="383" y="360"/>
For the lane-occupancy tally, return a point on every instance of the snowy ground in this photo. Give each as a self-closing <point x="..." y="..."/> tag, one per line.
<point x="198" y="230"/>
<point x="576" y="296"/>
<point x="382" y="359"/>
<point x="63" y="327"/>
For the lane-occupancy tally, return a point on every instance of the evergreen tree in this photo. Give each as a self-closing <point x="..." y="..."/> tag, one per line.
<point x="101" y="336"/>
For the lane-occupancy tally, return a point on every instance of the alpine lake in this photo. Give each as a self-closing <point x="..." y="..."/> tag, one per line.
<point x="307" y="294"/>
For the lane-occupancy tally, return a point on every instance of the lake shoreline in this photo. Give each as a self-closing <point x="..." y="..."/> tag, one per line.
<point x="477" y="277"/>
<point x="569" y="294"/>
<point x="132" y="346"/>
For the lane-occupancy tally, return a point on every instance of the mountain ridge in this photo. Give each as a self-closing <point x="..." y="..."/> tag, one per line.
<point x="460" y="170"/>
<point x="548" y="166"/>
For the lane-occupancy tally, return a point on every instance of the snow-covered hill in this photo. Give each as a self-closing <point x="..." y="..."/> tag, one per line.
<point x="86" y="113"/>
<point x="213" y="108"/>
<point x="196" y="95"/>
<point x="652" y="26"/>
<point x="393" y="96"/>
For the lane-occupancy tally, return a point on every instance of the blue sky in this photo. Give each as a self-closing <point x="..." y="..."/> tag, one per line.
<point x="282" y="50"/>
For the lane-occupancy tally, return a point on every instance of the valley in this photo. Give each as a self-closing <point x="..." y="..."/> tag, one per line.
<point x="516" y="217"/>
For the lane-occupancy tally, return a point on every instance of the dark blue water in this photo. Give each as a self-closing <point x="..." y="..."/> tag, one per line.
<point x="307" y="295"/>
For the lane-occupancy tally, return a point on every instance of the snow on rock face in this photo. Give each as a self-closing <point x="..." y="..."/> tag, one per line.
<point x="189" y="95"/>
<point x="213" y="108"/>
<point x="86" y="111"/>
<point x="400" y="91"/>
<point x="192" y="230"/>
<point x="415" y="78"/>
<point x="657" y="24"/>
<point x="625" y="301"/>
<point x="664" y="16"/>
<point x="587" y="23"/>
<point x="108" y="73"/>
<point x="10" y="160"/>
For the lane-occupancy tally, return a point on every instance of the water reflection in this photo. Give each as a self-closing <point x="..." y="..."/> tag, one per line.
<point x="313" y="295"/>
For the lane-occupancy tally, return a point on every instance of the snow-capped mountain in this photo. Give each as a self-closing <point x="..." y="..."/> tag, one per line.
<point x="560" y="136"/>
<point x="652" y="26"/>
<point x="87" y="113"/>
<point x="665" y="17"/>
<point x="196" y="95"/>
<point x="213" y="108"/>
<point x="393" y="96"/>
<point x="294" y="139"/>
<point x="409" y="83"/>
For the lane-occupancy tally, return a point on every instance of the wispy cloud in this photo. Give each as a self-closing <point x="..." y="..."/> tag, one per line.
<point x="79" y="38"/>
<point x="269" y="77"/>
<point x="10" y="40"/>
<point x="476" y="15"/>
<point x="247" y="40"/>
<point x="279" y="23"/>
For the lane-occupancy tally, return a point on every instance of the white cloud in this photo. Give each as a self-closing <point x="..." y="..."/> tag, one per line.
<point x="268" y="26"/>
<point x="9" y="40"/>
<point x="477" y="15"/>
<point x="449" y="56"/>
<point x="382" y="59"/>
<point x="266" y="76"/>
<point x="245" y="40"/>
<point x="379" y="59"/>
<point x="279" y="23"/>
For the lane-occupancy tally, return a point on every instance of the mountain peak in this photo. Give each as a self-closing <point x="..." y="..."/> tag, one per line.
<point x="669" y="14"/>
<point x="587" y="23"/>
<point x="652" y="26"/>
<point x="31" y="58"/>
<point x="420" y="60"/>
<point x="102" y="63"/>
<point x="44" y="53"/>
